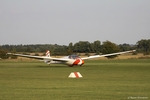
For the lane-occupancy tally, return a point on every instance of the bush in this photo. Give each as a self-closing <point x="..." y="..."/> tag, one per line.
<point x="3" y="54"/>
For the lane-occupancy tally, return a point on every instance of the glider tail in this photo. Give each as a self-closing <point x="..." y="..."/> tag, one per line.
<point x="47" y="53"/>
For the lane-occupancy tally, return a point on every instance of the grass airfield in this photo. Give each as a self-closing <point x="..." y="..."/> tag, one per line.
<point x="102" y="79"/>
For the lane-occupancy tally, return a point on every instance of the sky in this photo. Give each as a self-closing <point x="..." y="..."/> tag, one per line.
<point x="64" y="21"/>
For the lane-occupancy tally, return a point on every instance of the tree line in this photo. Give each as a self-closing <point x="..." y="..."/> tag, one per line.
<point x="142" y="46"/>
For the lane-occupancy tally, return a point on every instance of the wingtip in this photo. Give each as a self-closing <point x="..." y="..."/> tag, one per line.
<point x="133" y="50"/>
<point x="8" y="53"/>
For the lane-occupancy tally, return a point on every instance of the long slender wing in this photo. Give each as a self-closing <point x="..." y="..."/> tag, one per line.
<point x="40" y="57"/>
<point x="29" y="56"/>
<point x="96" y="56"/>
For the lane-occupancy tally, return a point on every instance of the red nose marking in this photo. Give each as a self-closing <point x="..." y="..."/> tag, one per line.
<point x="82" y="62"/>
<point x="76" y="62"/>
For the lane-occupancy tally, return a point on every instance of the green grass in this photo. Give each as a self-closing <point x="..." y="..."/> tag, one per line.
<point x="102" y="79"/>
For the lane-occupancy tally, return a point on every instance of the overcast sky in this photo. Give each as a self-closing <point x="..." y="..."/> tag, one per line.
<point x="64" y="21"/>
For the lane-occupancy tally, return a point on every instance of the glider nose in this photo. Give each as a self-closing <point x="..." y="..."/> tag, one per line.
<point x="79" y="62"/>
<point x="82" y="62"/>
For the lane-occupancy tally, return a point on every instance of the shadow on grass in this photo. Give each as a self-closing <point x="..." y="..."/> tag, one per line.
<point x="58" y="66"/>
<point x="53" y="66"/>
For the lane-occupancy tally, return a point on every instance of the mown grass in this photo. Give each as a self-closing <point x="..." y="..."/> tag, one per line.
<point x="102" y="79"/>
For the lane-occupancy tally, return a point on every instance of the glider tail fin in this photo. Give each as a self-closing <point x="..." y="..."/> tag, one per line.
<point x="47" y="53"/>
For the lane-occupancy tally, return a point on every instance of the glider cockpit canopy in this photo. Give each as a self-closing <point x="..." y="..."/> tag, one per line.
<point x="73" y="56"/>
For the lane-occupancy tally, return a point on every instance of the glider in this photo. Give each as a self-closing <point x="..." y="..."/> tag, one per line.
<point x="70" y="60"/>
